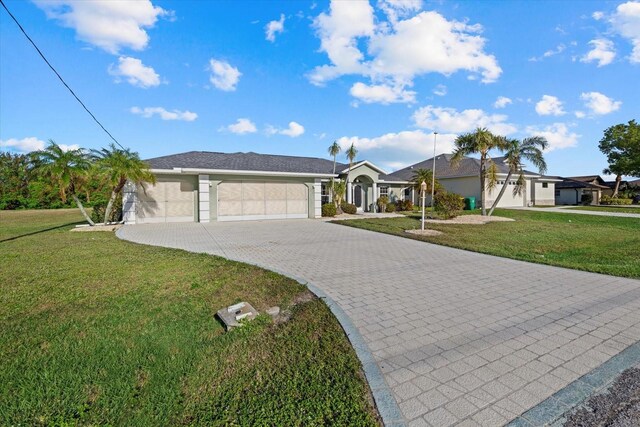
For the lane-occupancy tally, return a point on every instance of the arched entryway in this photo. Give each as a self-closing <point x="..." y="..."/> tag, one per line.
<point x="362" y="193"/>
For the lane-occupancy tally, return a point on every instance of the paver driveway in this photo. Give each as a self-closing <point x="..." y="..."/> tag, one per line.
<point x="460" y="337"/>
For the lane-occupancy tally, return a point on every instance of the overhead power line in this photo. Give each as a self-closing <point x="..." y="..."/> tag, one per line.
<point x="58" y="74"/>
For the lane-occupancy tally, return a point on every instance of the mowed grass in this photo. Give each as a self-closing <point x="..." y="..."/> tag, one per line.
<point x="620" y="209"/>
<point x="98" y="331"/>
<point x="600" y="244"/>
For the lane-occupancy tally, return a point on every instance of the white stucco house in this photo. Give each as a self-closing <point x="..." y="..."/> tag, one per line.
<point x="201" y="186"/>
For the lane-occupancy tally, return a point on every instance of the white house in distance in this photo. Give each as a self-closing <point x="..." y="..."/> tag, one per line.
<point x="201" y="186"/>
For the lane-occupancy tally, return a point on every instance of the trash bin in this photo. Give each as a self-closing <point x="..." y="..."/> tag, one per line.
<point x="469" y="203"/>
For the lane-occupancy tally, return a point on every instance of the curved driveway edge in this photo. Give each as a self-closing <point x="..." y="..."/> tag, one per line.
<point x="460" y="337"/>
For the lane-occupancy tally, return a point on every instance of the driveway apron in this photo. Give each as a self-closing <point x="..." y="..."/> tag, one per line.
<point x="460" y="337"/>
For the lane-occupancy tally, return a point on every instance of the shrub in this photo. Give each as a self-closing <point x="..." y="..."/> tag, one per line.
<point x="391" y="207"/>
<point x="608" y="200"/>
<point x="97" y="214"/>
<point x="448" y="205"/>
<point x="349" y="208"/>
<point x="586" y="199"/>
<point x="382" y="203"/>
<point x="407" y="205"/>
<point x="329" y="209"/>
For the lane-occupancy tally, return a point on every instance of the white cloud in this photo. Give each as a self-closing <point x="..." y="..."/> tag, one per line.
<point x="602" y="51"/>
<point x="223" y="75"/>
<point x="440" y="90"/>
<point x="599" y="104"/>
<point x="502" y="102"/>
<point x="597" y="15"/>
<point x="580" y="114"/>
<point x="402" y="147"/>
<point x="149" y="112"/>
<point x="552" y="52"/>
<point x="626" y="22"/>
<point x="294" y="130"/>
<point x="450" y="120"/>
<point x="23" y="145"/>
<point x="135" y="72"/>
<point x="26" y="145"/>
<point x="549" y="106"/>
<point x="240" y="127"/>
<point x="398" y="49"/>
<point x="382" y="94"/>
<point x="273" y="28"/>
<point x="110" y="25"/>
<point x="558" y="136"/>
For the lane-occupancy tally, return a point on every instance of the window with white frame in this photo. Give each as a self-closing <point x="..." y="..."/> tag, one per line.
<point x="325" y="194"/>
<point x="384" y="191"/>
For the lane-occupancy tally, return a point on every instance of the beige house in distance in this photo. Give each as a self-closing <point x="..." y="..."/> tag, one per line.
<point x="201" y="186"/>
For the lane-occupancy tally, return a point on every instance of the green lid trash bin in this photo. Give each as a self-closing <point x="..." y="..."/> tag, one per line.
<point x="469" y="203"/>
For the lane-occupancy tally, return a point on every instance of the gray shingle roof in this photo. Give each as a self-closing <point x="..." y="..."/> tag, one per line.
<point x="468" y="166"/>
<point x="245" y="162"/>
<point x="572" y="183"/>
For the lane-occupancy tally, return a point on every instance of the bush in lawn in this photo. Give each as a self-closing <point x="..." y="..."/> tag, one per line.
<point x="391" y="207"/>
<point x="329" y="209"/>
<point x="586" y="199"/>
<point x="349" y="208"/>
<point x="608" y="200"/>
<point x="448" y="205"/>
<point x="97" y="214"/>
<point x="407" y="205"/>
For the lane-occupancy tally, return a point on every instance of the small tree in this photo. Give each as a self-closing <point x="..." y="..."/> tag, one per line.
<point x="338" y="189"/>
<point x="420" y="175"/>
<point x="480" y="142"/>
<point x="119" y="166"/>
<point x="621" y="145"/>
<point x="66" y="169"/>
<point x="529" y="149"/>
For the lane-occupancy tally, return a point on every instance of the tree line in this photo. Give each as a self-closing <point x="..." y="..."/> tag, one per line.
<point x="57" y="178"/>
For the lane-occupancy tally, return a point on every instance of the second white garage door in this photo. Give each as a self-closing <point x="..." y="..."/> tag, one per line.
<point x="246" y="200"/>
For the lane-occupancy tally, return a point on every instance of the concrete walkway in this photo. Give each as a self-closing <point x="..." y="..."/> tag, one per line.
<point x="461" y="338"/>
<point x="581" y="212"/>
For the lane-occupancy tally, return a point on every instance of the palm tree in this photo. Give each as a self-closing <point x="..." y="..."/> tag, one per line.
<point x="334" y="150"/>
<point x="119" y="166"/>
<point x="481" y="141"/>
<point x="420" y="175"/>
<point x="516" y="151"/>
<point x="338" y="189"/>
<point x="351" y="153"/>
<point x="67" y="170"/>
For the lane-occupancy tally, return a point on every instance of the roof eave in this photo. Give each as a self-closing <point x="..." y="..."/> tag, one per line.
<point x="198" y="171"/>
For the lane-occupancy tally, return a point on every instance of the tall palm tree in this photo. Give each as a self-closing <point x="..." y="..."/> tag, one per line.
<point x="351" y="153"/>
<point x="420" y="175"/>
<point x="334" y="150"/>
<point x="67" y="170"/>
<point x="119" y="166"/>
<point x="481" y="141"/>
<point x="516" y="151"/>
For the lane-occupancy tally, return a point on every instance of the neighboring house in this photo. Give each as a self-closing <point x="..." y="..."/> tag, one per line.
<point x="200" y="186"/>
<point x="634" y="184"/>
<point x="572" y="189"/>
<point x="464" y="179"/>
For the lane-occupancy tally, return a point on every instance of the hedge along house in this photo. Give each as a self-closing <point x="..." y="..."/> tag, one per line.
<point x="202" y="186"/>
<point x="464" y="179"/>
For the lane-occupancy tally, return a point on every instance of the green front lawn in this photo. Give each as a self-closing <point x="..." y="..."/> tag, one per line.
<point x="98" y="331"/>
<point x="601" y="244"/>
<point x="619" y="209"/>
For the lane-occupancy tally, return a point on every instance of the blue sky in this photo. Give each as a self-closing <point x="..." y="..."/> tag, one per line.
<point x="290" y="77"/>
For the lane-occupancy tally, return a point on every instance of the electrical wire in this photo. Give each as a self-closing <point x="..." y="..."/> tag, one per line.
<point x="58" y="74"/>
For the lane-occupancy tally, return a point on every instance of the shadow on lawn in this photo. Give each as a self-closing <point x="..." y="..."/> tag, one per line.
<point x="44" y="230"/>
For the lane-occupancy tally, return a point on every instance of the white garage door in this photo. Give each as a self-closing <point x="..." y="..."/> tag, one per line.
<point x="247" y="200"/>
<point x="508" y="200"/>
<point x="169" y="200"/>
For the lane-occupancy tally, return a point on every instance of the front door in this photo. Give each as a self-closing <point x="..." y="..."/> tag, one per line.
<point x="357" y="196"/>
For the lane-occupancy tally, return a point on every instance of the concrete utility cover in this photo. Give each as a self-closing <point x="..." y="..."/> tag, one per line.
<point x="234" y="315"/>
<point x="460" y="337"/>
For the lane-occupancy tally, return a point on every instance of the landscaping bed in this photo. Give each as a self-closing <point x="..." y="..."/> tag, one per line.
<point x="599" y="244"/>
<point x="99" y="331"/>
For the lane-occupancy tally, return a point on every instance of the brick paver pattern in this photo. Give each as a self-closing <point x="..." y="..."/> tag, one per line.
<point x="461" y="338"/>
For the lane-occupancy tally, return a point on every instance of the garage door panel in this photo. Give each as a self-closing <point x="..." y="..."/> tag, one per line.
<point x="253" y="191"/>
<point x="296" y="191"/>
<point x="275" y="191"/>
<point x="230" y="191"/>
<point x="177" y="208"/>
<point x="296" y="207"/>
<point x="276" y="207"/>
<point x="253" y="207"/>
<point x="151" y="209"/>
<point x="169" y="200"/>
<point x="229" y="208"/>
